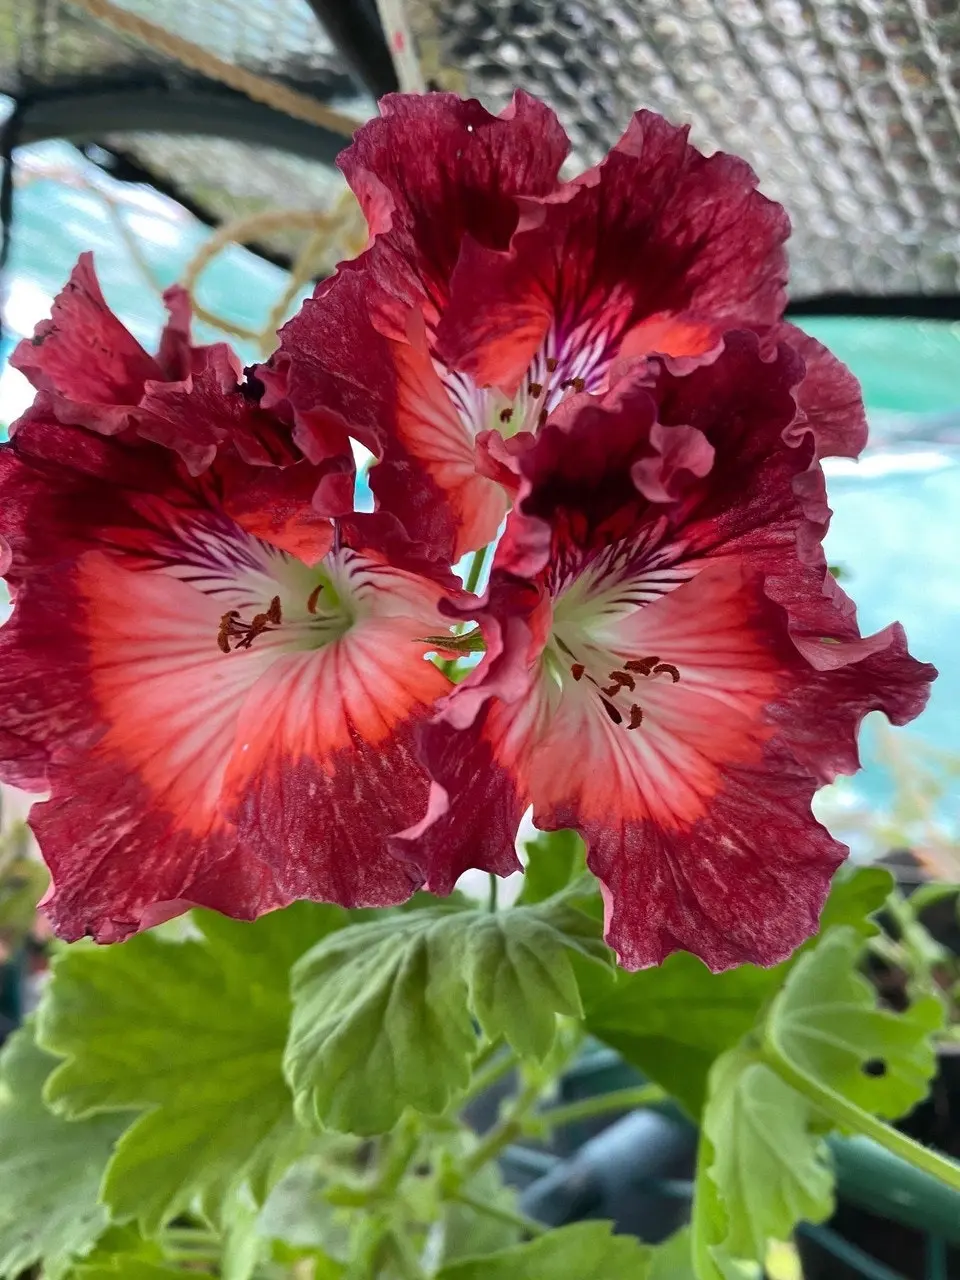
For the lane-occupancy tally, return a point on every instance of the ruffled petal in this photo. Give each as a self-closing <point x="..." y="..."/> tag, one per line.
<point x="829" y="401"/>
<point x="658" y="249"/>
<point x="91" y="364"/>
<point x="679" y="673"/>
<point x="435" y="169"/>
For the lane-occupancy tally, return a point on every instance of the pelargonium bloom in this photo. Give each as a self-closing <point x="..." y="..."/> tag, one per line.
<point x="217" y="688"/>
<point x="670" y="668"/>
<point x="94" y="370"/>
<point x="492" y="290"/>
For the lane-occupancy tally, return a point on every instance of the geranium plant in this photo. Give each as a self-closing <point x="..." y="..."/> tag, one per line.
<point x="301" y="723"/>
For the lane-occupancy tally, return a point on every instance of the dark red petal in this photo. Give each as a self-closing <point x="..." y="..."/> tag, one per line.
<point x="658" y="249"/>
<point x="435" y="169"/>
<point x="89" y="362"/>
<point x="745" y="883"/>
<point x="829" y="401"/>
<point x="467" y="782"/>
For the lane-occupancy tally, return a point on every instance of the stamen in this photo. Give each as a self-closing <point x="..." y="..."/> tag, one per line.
<point x="636" y="717"/>
<point x="612" y="711"/>
<point x="642" y="665"/>
<point x="552" y="363"/>
<point x="670" y="670"/>
<point x="232" y="627"/>
<point x="536" y="389"/>
<point x="506" y="415"/>
<point x="577" y="670"/>
<point x="623" y="681"/>
<point x="541" y="417"/>
<point x="313" y="597"/>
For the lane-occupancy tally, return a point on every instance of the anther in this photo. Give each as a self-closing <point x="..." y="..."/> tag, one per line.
<point x="313" y="597"/>
<point x="669" y="669"/>
<point x="536" y="389"/>
<point x="641" y="665"/>
<point x="578" y="384"/>
<point x="612" y="711"/>
<point x="552" y="363"/>
<point x="623" y="681"/>
<point x="542" y="417"/>
<point x="273" y="613"/>
<point x="506" y="415"/>
<point x="577" y="670"/>
<point x="636" y="717"/>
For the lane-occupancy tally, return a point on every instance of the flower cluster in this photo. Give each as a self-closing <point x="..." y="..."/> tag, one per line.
<point x="224" y="677"/>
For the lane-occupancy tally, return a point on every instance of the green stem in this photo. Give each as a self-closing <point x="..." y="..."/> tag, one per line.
<point x="642" y="1095"/>
<point x="399" y="1152"/>
<point x="401" y="1252"/>
<point x="851" y="1118"/>
<point x="504" y="1131"/>
<point x="492" y="891"/>
<point x="489" y="1075"/>
<point x="508" y="1216"/>
<point x="476" y="568"/>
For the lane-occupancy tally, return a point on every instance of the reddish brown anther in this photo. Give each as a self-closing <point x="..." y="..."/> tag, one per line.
<point x="641" y="665"/>
<point x="669" y="669"/>
<point x="577" y="670"/>
<point x="536" y="388"/>
<point x="313" y="597"/>
<point x="273" y="613"/>
<point x="623" y="680"/>
<point x="552" y="363"/>
<point x="636" y="717"/>
<point x="506" y="415"/>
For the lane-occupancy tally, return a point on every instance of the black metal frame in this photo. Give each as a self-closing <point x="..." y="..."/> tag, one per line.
<point x="355" y="30"/>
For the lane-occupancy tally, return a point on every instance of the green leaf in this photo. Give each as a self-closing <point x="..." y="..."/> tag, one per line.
<point x="637" y="1013"/>
<point x="554" y="859"/>
<point x="383" y="1013"/>
<point x="672" y="1021"/>
<point x="586" y="1251"/>
<point x="856" y="894"/>
<point x="520" y="975"/>
<point x="769" y="1166"/>
<point x="50" y="1168"/>
<point x="673" y="1260"/>
<point x="826" y="1022"/>
<point x="380" y="1022"/>
<point x="191" y="1035"/>
<point x="122" y="1268"/>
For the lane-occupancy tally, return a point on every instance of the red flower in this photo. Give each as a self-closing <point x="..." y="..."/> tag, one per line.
<point x="670" y="668"/>
<point x="492" y="290"/>
<point x="93" y="368"/>
<point x="218" y="692"/>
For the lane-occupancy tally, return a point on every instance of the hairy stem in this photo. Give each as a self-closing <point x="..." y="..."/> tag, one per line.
<point x="505" y="1131"/>
<point x="501" y="1214"/>
<point x="851" y="1118"/>
<point x="492" y="891"/>
<point x="489" y="1075"/>
<point x="642" y="1095"/>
